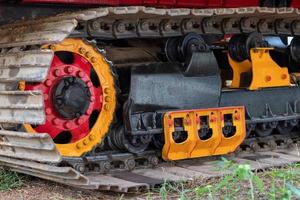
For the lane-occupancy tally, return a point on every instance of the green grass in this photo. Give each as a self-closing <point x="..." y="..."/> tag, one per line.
<point x="240" y="183"/>
<point x="9" y="180"/>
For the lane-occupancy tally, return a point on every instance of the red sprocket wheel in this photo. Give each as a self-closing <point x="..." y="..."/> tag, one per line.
<point x="78" y="93"/>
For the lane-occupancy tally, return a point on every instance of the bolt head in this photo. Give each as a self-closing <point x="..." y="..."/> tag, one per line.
<point x="79" y="121"/>
<point x="106" y="90"/>
<point x="106" y="107"/>
<point x="188" y="25"/>
<point x="48" y="82"/>
<point x="88" y="54"/>
<point x="284" y="76"/>
<point x="167" y="26"/>
<point x="80" y="74"/>
<point x="91" y="137"/>
<point x="68" y="125"/>
<point x="213" y="119"/>
<point x="78" y="145"/>
<point x="96" y="25"/>
<point x="57" y="72"/>
<point x="69" y="70"/>
<point x="121" y="27"/>
<point x="268" y="78"/>
<point x="55" y="121"/>
<point x="88" y="112"/>
<point x="144" y="26"/>
<point x="48" y="111"/>
<point x="92" y="99"/>
<point x="107" y="99"/>
<point x="85" y="142"/>
<point x="93" y="59"/>
<point x="89" y="84"/>
<point x="82" y="50"/>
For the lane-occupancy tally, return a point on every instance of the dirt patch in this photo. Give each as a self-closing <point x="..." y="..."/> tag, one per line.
<point x="38" y="189"/>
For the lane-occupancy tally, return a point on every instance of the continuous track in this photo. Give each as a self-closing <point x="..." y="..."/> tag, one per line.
<point x="42" y="160"/>
<point x="22" y="60"/>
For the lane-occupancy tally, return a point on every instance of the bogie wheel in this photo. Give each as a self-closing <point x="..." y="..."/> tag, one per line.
<point x="80" y="97"/>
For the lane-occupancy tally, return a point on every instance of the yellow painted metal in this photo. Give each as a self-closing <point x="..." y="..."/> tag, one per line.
<point x="238" y="68"/>
<point x="229" y="144"/>
<point x="194" y="146"/>
<point x="105" y="118"/>
<point x="208" y="146"/>
<point x="264" y="71"/>
<point x="175" y="151"/>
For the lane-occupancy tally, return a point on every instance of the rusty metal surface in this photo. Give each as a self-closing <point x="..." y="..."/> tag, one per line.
<point x="21" y="107"/>
<point x="35" y="147"/>
<point x="36" y="34"/>
<point x="142" y="179"/>
<point x="29" y="66"/>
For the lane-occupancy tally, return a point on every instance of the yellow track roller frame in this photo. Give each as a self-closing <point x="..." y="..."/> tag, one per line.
<point x="216" y="143"/>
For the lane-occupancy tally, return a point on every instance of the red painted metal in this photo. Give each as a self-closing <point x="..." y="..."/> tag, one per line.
<point x="295" y="4"/>
<point x="239" y="3"/>
<point x="157" y="3"/>
<point x="56" y="124"/>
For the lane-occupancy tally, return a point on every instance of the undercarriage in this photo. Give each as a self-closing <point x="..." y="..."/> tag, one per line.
<point x="123" y="98"/>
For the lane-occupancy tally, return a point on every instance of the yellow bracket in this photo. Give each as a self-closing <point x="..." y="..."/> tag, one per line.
<point x="193" y="146"/>
<point x="263" y="70"/>
<point x="182" y="150"/>
<point x="208" y="146"/>
<point x="229" y="144"/>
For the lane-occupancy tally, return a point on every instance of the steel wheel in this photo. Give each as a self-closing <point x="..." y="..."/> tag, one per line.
<point x="285" y="127"/>
<point x="264" y="129"/>
<point x="80" y="98"/>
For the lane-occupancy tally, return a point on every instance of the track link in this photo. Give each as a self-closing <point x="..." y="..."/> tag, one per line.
<point x="135" y="22"/>
<point x="124" y="180"/>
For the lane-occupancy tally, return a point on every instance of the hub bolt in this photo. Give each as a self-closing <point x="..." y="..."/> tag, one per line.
<point x="68" y="125"/>
<point x="80" y="74"/>
<point x="89" y="111"/>
<point x="57" y="73"/>
<point x="48" y="111"/>
<point x="92" y="99"/>
<point x="79" y="121"/>
<point x="55" y="121"/>
<point x="89" y="84"/>
<point x="69" y="70"/>
<point x="48" y="82"/>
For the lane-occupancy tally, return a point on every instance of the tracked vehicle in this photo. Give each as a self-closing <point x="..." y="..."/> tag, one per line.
<point x="121" y="95"/>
